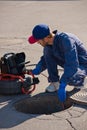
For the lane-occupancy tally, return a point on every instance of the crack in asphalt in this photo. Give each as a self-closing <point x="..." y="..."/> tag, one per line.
<point x="70" y="123"/>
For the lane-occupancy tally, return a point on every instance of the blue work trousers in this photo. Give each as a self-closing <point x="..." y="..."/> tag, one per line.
<point x="52" y="63"/>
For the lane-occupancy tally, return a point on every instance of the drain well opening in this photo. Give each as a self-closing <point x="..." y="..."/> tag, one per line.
<point x="42" y="104"/>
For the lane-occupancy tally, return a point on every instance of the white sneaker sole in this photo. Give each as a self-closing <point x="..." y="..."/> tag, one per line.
<point x="48" y="91"/>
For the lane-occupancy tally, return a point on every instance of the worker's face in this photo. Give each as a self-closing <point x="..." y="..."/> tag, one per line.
<point x="43" y="42"/>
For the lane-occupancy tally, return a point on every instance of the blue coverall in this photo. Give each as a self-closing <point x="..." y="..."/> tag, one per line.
<point x="68" y="52"/>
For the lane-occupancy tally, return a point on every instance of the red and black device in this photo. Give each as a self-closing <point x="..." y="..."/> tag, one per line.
<point x="14" y="77"/>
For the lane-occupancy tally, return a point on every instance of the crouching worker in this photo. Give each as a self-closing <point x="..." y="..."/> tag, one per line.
<point x="60" y="49"/>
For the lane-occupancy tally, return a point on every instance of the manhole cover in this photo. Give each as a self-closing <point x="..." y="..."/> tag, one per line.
<point x="80" y="96"/>
<point x="42" y="104"/>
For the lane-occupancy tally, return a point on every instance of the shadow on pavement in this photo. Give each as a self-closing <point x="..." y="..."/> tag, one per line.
<point x="9" y="117"/>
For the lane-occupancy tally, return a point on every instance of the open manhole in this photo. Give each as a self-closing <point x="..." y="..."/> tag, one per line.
<point x="44" y="103"/>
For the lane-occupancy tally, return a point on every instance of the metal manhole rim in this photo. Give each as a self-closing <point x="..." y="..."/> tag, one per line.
<point x="79" y="96"/>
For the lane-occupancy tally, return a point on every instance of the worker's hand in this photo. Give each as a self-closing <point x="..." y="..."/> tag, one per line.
<point x="37" y="69"/>
<point x="62" y="92"/>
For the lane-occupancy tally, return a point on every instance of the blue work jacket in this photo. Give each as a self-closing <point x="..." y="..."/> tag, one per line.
<point x="71" y="53"/>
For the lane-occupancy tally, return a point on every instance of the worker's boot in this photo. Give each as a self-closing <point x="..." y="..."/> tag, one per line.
<point x="84" y="84"/>
<point x="53" y="87"/>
